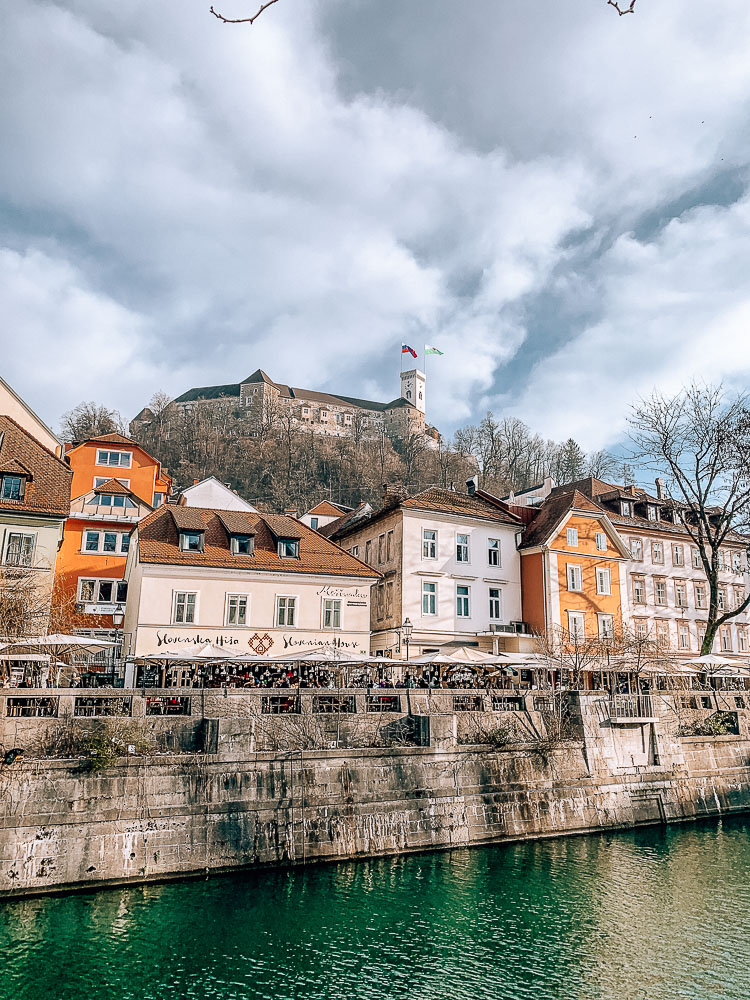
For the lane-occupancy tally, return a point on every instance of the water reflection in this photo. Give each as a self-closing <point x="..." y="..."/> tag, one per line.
<point x="659" y="913"/>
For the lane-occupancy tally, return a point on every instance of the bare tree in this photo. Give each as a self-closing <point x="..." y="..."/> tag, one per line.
<point x="87" y="420"/>
<point x="699" y="441"/>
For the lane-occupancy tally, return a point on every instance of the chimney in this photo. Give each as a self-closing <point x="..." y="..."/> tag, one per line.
<point x="472" y="485"/>
<point x="290" y="511"/>
<point x="393" y="495"/>
<point x="195" y="482"/>
<point x="659" y="487"/>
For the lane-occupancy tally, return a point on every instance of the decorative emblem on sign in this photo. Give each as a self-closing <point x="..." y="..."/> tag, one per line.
<point x="260" y="644"/>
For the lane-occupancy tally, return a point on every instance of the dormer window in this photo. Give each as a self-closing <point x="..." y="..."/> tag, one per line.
<point x="110" y="500"/>
<point x="653" y="512"/>
<point x="12" y="488"/>
<point x="288" y="548"/>
<point x="191" y="541"/>
<point x="626" y="508"/>
<point x="242" y="545"/>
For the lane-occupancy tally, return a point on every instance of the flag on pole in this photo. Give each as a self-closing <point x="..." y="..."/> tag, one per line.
<point x="431" y="350"/>
<point x="405" y="349"/>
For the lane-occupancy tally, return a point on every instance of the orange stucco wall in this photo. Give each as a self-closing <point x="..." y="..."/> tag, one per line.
<point x="532" y="590"/>
<point x="143" y="474"/>
<point x="589" y="558"/>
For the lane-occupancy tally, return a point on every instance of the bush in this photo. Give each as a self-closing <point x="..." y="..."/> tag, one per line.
<point x="718" y="724"/>
<point x="99" y="743"/>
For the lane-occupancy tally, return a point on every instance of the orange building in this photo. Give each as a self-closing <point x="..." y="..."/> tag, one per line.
<point x="572" y="568"/>
<point x="115" y="483"/>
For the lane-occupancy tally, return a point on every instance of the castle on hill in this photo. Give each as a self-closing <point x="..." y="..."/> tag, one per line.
<point x="261" y="400"/>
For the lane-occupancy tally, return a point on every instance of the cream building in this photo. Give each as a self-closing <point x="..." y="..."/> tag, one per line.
<point x="248" y="582"/>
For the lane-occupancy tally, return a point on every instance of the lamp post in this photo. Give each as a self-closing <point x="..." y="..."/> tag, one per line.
<point x="118" y="617"/>
<point x="406" y="630"/>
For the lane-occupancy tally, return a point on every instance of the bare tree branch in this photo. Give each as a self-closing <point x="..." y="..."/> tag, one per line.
<point x="245" y="20"/>
<point x="620" y="10"/>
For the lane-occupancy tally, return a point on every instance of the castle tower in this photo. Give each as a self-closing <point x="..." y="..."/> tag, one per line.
<point x="413" y="386"/>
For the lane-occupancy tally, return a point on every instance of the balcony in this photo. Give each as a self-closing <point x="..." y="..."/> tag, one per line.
<point x="630" y="708"/>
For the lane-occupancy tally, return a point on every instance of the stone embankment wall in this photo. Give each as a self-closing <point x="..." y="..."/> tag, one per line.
<point x="176" y="815"/>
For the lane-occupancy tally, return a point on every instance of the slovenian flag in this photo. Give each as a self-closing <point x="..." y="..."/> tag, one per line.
<point x="405" y="349"/>
<point x="431" y="350"/>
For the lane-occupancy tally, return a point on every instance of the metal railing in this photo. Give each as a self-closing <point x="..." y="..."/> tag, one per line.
<point x="631" y="706"/>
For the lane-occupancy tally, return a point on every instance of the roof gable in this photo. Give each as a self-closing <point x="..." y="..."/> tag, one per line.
<point x="48" y="488"/>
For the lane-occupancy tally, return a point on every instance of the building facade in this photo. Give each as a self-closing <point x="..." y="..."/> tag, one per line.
<point x="262" y="402"/>
<point x="449" y="565"/>
<point x="34" y="503"/>
<point x="213" y="494"/>
<point x="249" y="582"/>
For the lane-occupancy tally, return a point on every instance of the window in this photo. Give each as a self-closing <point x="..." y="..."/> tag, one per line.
<point x="726" y="639"/>
<point x="242" y="545"/>
<point x="462" y="601"/>
<point x="389" y="599"/>
<point x="739" y="596"/>
<point x="575" y="581"/>
<point x="606" y="626"/>
<point x="680" y="593"/>
<point x="429" y="543"/>
<point x="355" y="551"/>
<point x="106" y="542"/>
<point x="286" y="611"/>
<point x="429" y="598"/>
<point x="115" y="500"/>
<point x="237" y="609"/>
<point x="184" y="608"/>
<point x="380" y="601"/>
<point x="678" y="555"/>
<point x="576" y="624"/>
<point x="100" y="480"/>
<point x="662" y="635"/>
<point x="601" y="541"/>
<point x="626" y="508"/>
<point x="368" y="551"/>
<point x="636" y="549"/>
<point x="701" y="633"/>
<point x="737" y="562"/>
<point x="288" y="548"/>
<point x="331" y="614"/>
<point x="641" y="628"/>
<point x="742" y="640"/>
<point x="12" y="488"/>
<point x="684" y="637"/>
<point x="657" y="552"/>
<point x="494" y="552"/>
<point x="660" y="590"/>
<point x="700" y="595"/>
<point x="571" y="536"/>
<point x="389" y="546"/>
<point x="721" y="599"/>
<point x="314" y="523"/>
<point x="191" y="541"/>
<point x="639" y="590"/>
<point x="19" y="550"/>
<point x="653" y="512"/>
<point x="102" y="591"/>
<point x="496" y="604"/>
<point x="462" y="548"/>
<point x="324" y="414"/>
<point x="120" y="458"/>
<point x="697" y="564"/>
<point x="603" y="582"/>
<point x="381" y="548"/>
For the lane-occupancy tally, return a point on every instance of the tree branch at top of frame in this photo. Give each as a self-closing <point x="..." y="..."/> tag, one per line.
<point x="243" y="20"/>
<point x="630" y="9"/>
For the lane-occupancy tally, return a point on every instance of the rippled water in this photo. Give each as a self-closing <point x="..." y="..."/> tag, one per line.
<point x="659" y="914"/>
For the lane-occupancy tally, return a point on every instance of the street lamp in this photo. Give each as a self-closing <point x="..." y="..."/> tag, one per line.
<point x="118" y="617"/>
<point x="406" y="630"/>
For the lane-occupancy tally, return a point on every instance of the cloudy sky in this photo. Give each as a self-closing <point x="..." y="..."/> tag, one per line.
<point x="555" y="196"/>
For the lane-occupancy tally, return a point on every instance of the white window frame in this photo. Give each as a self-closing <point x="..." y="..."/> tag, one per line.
<point x="100" y="480"/>
<point x="636" y="544"/>
<point x="100" y="550"/>
<point x="741" y="640"/>
<point x="463" y="548"/>
<point x="655" y="545"/>
<point x="606" y="625"/>
<point x="701" y="595"/>
<point x="432" y="598"/>
<point x="657" y="581"/>
<point x="23" y="535"/>
<point x="113" y="451"/>
<point x="287" y="607"/>
<point x="227" y="607"/>
<point x="725" y="639"/>
<point x="574" y="575"/>
<point x="429" y="545"/>
<point x="601" y="541"/>
<point x="677" y="585"/>
<point x="463" y="601"/>
<point x="496" y="603"/>
<point x="638" y="582"/>
<point x="603" y="581"/>
<point x="331" y="607"/>
<point x="494" y="549"/>
<point x="678" y="554"/>
<point x="97" y="581"/>
<point x="575" y="617"/>
<point x="571" y="537"/>
<point x="697" y="563"/>
<point x="683" y="637"/>
<point x="176" y="594"/>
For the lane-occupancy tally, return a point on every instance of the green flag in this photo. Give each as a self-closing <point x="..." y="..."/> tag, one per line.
<point x="431" y="350"/>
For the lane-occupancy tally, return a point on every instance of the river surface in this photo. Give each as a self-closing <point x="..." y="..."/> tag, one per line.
<point x="658" y="913"/>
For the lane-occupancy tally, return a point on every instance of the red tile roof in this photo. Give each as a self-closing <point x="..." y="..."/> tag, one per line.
<point x="114" y="486"/>
<point x="48" y="490"/>
<point x="326" y="509"/>
<point x="114" y="439"/>
<point x="551" y="514"/>
<point x="158" y="541"/>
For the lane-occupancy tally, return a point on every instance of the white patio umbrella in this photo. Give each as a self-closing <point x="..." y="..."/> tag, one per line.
<point x="324" y="654"/>
<point x="58" y="640"/>
<point x="466" y="655"/>
<point x="713" y="660"/>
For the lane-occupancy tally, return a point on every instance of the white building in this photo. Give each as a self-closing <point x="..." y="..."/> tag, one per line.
<point x="213" y="495"/>
<point x="449" y="565"/>
<point x="323" y="513"/>
<point x="249" y="582"/>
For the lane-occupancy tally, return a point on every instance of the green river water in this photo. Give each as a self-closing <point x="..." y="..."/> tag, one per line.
<point x="658" y="913"/>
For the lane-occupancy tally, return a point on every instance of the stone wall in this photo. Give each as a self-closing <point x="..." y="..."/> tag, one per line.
<point x="64" y="826"/>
